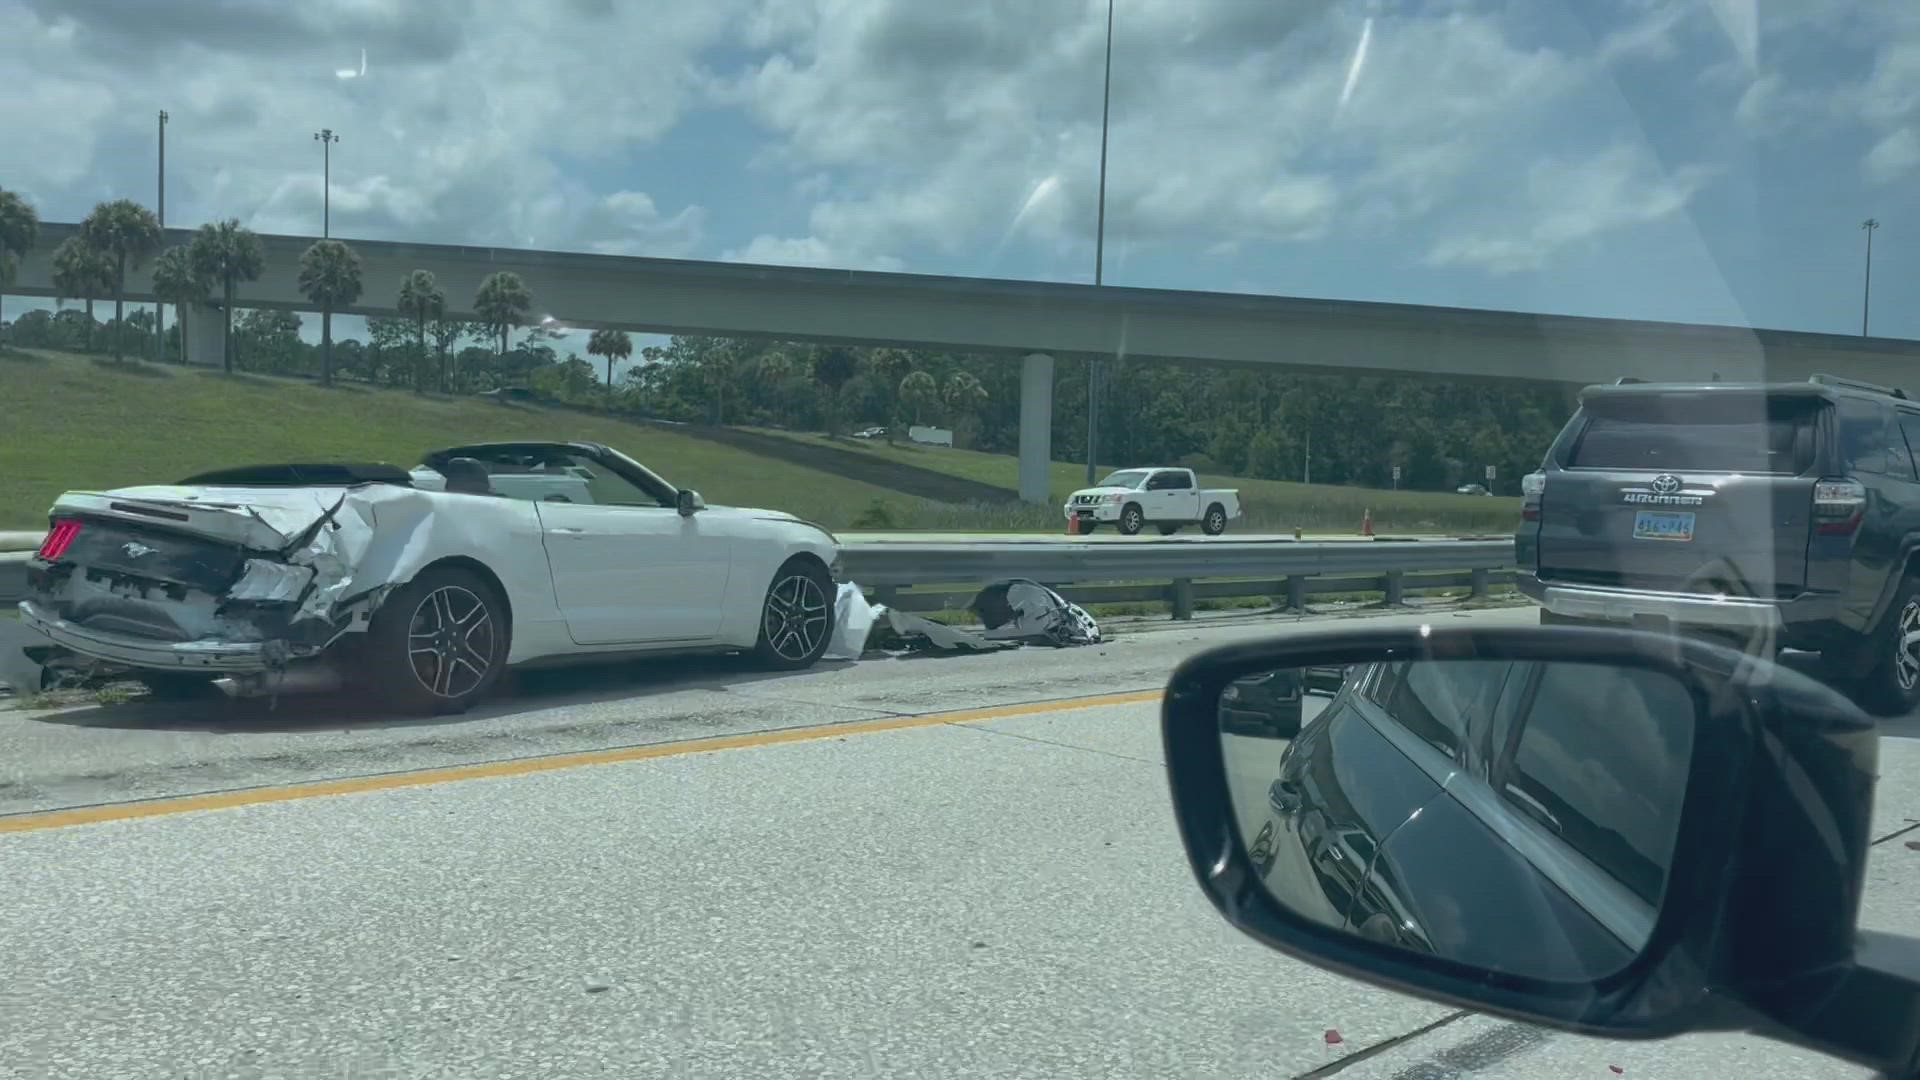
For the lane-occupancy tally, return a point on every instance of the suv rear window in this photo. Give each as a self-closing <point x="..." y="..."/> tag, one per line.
<point x="1698" y="433"/>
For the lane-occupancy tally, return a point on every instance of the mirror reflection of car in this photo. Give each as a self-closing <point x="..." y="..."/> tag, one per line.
<point x="1266" y="705"/>
<point x="1420" y="736"/>
<point x="1613" y="832"/>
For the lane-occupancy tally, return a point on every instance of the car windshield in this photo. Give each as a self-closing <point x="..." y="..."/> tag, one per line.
<point x="408" y="404"/>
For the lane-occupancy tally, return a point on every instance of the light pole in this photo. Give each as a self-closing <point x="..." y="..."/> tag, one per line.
<point x="326" y="138"/>
<point x="1099" y="254"/>
<point x="160" y="309"/>
<point x="1866" y="291"/>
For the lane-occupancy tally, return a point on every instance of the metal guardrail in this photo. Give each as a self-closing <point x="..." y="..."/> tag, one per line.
<point x="1177" y="572"/>
<point x="1174" y="571"/>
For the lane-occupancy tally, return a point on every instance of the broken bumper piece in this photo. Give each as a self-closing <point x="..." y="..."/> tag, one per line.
<point x="145" y="652"/>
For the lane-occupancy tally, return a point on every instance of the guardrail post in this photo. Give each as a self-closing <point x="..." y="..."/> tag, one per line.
<point x="1479" y="583"/>
<point x="1296" y="592"/>
<point x="1183" y="598"/>
<point x="1396" y="588"/>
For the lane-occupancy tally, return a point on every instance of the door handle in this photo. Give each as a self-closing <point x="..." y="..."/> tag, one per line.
<point x="567" y="530"/>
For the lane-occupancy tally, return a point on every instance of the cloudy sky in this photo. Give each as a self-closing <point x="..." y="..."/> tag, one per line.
<point x="1701" y="160"/>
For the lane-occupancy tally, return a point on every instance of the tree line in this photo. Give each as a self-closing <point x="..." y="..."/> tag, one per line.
<point x="1273" y="424"/>
<point x="122" y="235"/>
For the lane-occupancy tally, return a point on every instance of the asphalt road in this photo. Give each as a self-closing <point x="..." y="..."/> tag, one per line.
<point x="997" y="892"/>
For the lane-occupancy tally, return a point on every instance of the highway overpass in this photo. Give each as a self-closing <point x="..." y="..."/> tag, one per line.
<point x="1042" y="320"/>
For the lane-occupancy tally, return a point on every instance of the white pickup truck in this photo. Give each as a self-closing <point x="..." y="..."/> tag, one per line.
<point x="1132" y="499"/>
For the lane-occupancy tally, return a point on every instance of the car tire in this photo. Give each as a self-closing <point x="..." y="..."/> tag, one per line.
<point x="428" y="642"/>
<point x="1132" y="520"/>
<point x="177" y="685"/>
<point x="1169" y="530"/>
<point x="1215" y="521"/>
<point x="1891" y="687"/>
<point x="796" y="617"/>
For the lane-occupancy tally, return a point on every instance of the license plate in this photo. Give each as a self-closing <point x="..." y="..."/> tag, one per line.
<point x="1662" y="525"/>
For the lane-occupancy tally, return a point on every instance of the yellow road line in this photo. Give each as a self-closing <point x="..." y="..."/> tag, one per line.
<point x="227" y="800"/>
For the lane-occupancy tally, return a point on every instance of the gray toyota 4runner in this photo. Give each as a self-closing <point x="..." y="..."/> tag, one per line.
<point x="1784" y="511"/>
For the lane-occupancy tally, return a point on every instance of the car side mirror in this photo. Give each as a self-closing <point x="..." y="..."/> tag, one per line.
<point x="1607" y="831"/>
<point x="688" y="502"/>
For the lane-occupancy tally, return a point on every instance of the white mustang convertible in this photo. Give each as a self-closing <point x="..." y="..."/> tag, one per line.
<point x="423" y="586"/>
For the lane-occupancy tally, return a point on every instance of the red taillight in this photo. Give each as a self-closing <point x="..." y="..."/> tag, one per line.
<point x="59" y="539"/>
<point x="1838" y="506"/>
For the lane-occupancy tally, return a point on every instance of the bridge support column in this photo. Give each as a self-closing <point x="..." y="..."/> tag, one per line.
<point x="203" y="325"/>
<point x="1036" y="427"/>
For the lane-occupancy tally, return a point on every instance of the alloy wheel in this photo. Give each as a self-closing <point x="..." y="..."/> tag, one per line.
<point x="796" y="619"/>
<point x="450" y="642"/>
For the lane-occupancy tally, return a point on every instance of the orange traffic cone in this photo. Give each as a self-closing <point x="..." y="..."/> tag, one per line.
<point x="1366" y="522"/>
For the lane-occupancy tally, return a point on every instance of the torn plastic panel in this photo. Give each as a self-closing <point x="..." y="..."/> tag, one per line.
<point x="1014" y="612"/>
<point x="1027" y="611"/>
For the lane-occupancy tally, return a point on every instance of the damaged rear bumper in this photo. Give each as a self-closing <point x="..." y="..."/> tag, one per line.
<point x="205" y="655"/>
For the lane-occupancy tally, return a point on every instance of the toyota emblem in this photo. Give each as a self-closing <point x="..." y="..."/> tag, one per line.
<point x="1666" y="484"/>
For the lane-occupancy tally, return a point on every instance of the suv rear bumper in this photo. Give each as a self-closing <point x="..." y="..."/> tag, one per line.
<point x="1690" y="609"/>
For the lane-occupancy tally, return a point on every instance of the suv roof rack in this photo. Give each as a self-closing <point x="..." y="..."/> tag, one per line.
<point x="1856" y="384"/>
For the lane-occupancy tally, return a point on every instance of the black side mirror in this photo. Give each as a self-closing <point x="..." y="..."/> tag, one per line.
<point x="688" y="502"/>
<point x="1618" y="833"/>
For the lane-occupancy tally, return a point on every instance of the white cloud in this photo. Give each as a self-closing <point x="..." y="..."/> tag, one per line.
<point x="1228" y="125"/>
<point x="807" y="251"/>
<point x="1566" y="202"/>
<point x="1893" y="157"/>
<point x="628" y="223"/>
<point x="470" y="125"/>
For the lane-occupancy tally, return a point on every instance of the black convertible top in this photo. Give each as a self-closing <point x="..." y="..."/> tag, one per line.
<point x="315" y="474"/>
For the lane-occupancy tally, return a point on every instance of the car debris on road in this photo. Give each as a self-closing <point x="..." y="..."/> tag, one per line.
<point x="1012" y="613"/>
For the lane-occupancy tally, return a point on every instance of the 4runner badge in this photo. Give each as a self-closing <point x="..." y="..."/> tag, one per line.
<point x="135" y="550"/>
<point x="1663" y="490"/>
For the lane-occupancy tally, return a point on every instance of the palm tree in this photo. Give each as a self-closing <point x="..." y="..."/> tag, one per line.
<point x="502" y="302"/>
<point x="176" y="282"/>
<point x="19" y="231"/>
<point x="421" y="299"/>
<point x="612" y="344"/>
<point x="446" y="334"/>
<point x="227" y="252"/>
<point x="917" y="391"/>
<point x="330" y="277"/>
<point x="81" y="270"/>
<point x="963" y="396"/>
<point x="126" y="233"/>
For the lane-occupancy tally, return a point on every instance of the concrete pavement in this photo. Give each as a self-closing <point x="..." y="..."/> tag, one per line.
<point x="995" y="896"/>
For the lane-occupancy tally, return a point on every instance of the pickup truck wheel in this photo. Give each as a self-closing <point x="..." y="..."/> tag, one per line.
<point x="1215" y="522"/>
<point x="438" y="644"/>
<point x="1891" y="687"/>
<point x="1169" y="530"/>
<point x="1131" y="520"/>
<point x="796" y="620"/>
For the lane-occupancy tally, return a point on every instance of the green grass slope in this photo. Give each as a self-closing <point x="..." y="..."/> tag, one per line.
<point x="1269" y="505"/>
<point x="77" y="422"/>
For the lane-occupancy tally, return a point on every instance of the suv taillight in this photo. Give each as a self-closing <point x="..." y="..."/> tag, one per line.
<point x="1838" y="506"/>
<point x="58" y="540"/>
<point x="1532" y="486"/>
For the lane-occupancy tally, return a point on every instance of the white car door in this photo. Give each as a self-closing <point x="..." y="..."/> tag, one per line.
<point x="635" y="574"/>
<point x="1169" y="501"/>
<point x="626" y="568"/>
